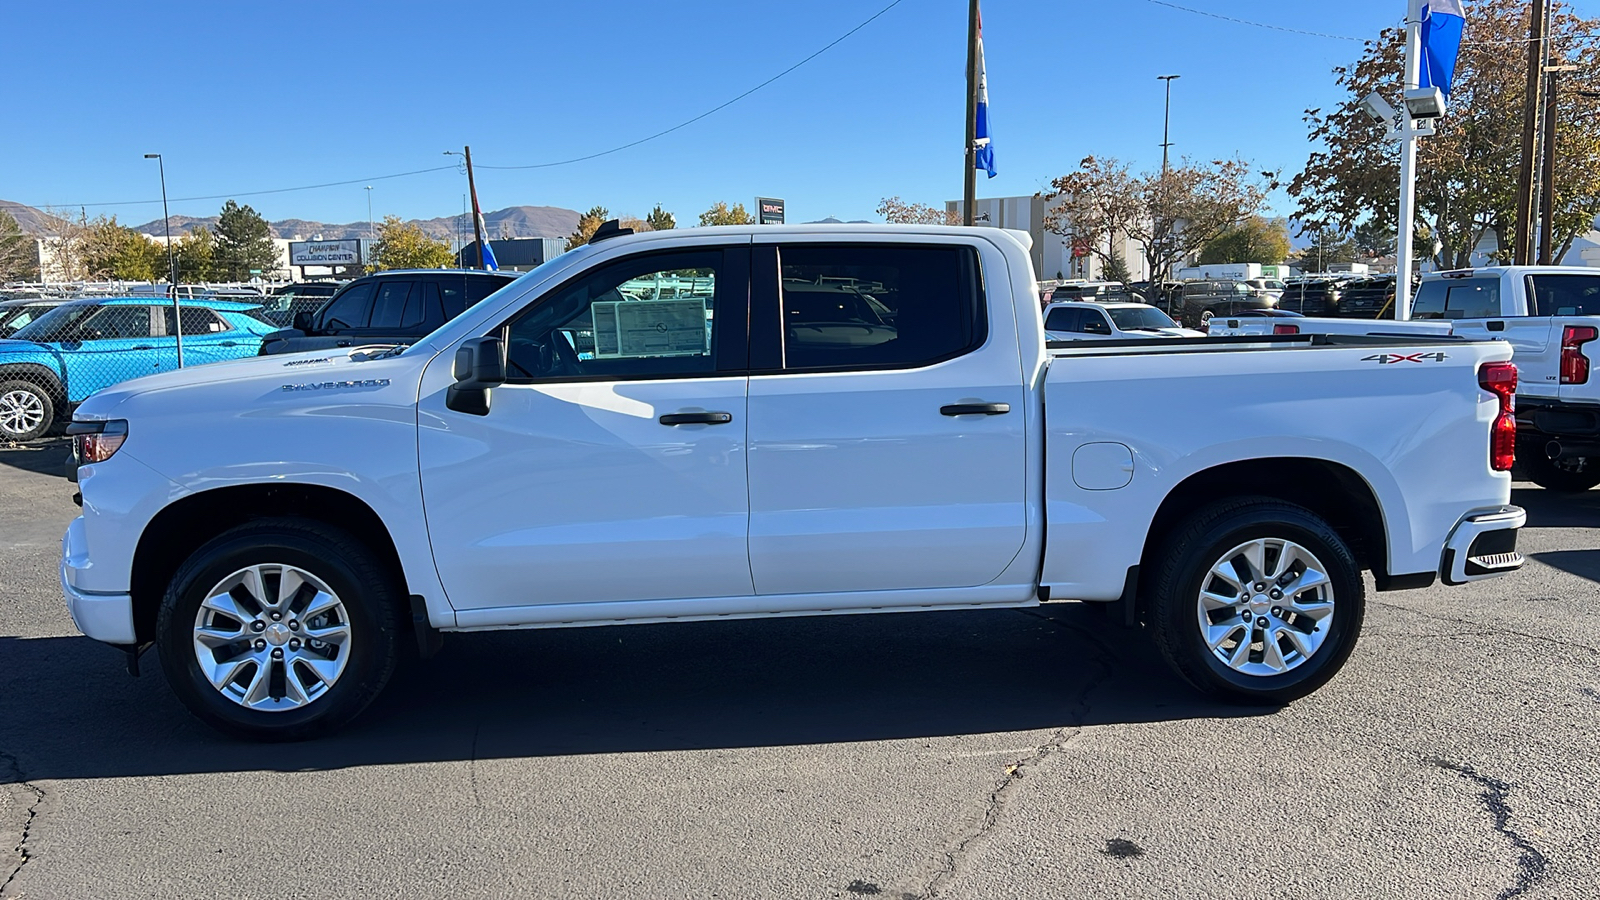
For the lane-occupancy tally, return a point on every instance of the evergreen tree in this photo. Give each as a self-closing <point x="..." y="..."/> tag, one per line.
<point x="243" y="242"/>
<point x="19" y="254"/>
<point x="660" y="220"/>
<point x="588" y="223"/>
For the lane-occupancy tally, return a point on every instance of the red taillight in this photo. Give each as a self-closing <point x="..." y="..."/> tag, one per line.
<point x="1500" y="379"/>
<point x="1286" y="329"/>
<point x="1574" y="365"/>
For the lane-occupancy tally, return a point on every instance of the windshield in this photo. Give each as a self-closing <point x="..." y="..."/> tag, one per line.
<point x="1133" y="318"/>
<point x="16" y="317"/>
<point x="53" y="324"/>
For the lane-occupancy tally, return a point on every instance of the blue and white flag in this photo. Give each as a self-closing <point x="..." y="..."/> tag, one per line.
<point x="984" y="157"/>
<point x="1442" y="24"/>
<point x="486" y="252"/>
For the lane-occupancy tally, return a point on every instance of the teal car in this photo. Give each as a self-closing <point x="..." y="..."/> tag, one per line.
<point x="55" y="362"/>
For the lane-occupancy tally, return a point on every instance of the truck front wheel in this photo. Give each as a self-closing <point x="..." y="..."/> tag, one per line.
<point x="279" y="629"/>
<point x="1256" y="600"/>
<point x="1565" y="475"/>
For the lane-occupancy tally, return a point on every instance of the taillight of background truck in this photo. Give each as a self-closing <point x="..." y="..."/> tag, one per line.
<point x="1286" y="329"/>
<point x="1574" y="365"/>
<point x="1500" y="379"/>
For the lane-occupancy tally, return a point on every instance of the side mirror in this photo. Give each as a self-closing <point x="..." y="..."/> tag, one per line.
<point x="479" y="366"/>
<point x="302" y="321"/>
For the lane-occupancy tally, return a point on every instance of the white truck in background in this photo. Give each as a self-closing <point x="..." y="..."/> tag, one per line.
<point x="1550" y="315"/>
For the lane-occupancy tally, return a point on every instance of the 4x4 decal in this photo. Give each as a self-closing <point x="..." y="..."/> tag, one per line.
<point x="1384" y="359"/>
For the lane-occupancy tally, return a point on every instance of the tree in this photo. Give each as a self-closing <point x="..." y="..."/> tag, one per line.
<point x="898" y="212"/>
<point x="111" y="250"/>
<point x="588" y="223"/>
<point x="720" y="214"/>
<point x="195" y="254"/>
<point x="243" y="242"/>
<point x="1116" y="269"/>
<point x="19" y="254"/>
<point x="660" y="220"/>
<point x="63" y="245"/>
<point x="404" y="245"/>
<point x="1467" y="172"/>
<point x="1171" y="215"/>
<point x="1328" y="246"/>
<point x="1256" y="240"/>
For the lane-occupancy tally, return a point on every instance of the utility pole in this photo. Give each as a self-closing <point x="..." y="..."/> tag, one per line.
<point x="1408" y="168"/>
<point x="477" y="218"/>
<point x="172" y="261"/>
<point x="1522" y="240"/>
<point x="969" y="184"/>
<point x="1547" y="175"/>
<point x="1166" y="122"/>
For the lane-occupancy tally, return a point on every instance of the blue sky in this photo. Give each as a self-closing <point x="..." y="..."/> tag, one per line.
<point x="253" y="96"/>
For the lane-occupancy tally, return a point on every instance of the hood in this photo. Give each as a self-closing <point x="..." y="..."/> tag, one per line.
<point x="9" y="346"/>
<point x="299" y="369"/>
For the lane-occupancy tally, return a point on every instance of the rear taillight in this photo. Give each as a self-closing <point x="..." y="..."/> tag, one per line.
<point x="1286" y="329"/>
<point x="96" y="442"/>
<point x="1574" y="365"/>
<point x="1500" y="379"/>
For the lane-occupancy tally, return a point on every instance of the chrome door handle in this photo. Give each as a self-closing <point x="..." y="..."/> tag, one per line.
<point x="697" y="418"/>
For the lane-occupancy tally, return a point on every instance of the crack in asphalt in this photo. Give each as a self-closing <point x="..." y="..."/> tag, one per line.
<point x="1531" y="863"/>
<point x="27" y="823"/>
<point x="1059" y="740"/>
<point x="1488" y="631"/>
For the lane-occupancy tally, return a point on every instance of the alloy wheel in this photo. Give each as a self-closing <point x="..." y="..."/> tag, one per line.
<point x="1265" y="607"/>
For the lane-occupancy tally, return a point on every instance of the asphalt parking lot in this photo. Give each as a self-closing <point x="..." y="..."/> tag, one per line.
<point x="979" y="755"/>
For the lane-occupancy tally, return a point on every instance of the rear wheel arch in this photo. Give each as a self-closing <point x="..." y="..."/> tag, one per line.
<point x="184" y="526"/>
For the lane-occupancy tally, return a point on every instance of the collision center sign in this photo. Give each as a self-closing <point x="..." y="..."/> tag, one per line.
<point x="325" y="253"/>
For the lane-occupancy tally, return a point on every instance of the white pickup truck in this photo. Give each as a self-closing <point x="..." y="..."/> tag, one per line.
<point x="775" y="421"/>
<point x="1551" y="316"/>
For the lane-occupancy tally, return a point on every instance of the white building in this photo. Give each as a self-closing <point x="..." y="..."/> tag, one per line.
<point x="1052" y="253"/>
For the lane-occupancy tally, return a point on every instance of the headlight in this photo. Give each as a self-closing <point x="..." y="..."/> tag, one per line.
<point x="96" y="442"/>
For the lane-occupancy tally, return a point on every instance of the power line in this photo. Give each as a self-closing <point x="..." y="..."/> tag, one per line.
<point x="311" y="187"/>
<point x="714" y="109"/>
<point x="1201" y="12"/>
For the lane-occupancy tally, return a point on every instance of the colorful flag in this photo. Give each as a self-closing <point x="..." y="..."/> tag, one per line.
<point x="1442" y="24"/>
<point x="984" y="157"/>
<point x="486" y="252"/>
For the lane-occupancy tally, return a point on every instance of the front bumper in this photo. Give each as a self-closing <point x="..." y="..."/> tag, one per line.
<point x="104" y="617"/>
<point x="1483" y="545"/>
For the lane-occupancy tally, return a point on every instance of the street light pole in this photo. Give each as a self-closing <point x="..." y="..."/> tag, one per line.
<point x="372" y="232"/>
<point x="1166" y="122"/>
<point x="172" y="261"/>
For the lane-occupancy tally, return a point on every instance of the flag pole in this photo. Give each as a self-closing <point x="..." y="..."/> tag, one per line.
<point x="969" y="184"/>
<point x="477" y="217"/>
<point x="1408" y="168"/>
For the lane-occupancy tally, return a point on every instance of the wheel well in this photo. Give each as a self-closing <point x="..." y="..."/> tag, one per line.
<point x="179" y="530"/>
<point x="39" y="375"/>
<point x="1332" y="491"/>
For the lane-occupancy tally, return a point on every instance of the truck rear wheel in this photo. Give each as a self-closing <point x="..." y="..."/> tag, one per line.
<point x="1256" y="600"/>
<point x="1565" y="475"/>
<point x="279" y="629"/>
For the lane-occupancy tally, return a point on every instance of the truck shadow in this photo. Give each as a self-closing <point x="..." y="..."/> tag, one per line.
<point x="45" y="456"/>
<point x="1548" y="509"/>
<point x="69" y="711"/>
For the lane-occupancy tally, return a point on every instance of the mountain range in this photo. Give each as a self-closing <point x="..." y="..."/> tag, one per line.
<point x="513" y="221"/>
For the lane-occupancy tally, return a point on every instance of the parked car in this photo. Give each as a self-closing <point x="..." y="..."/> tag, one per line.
<point x="278" y="533"/>
<point x="1204" y="299"/>
<point x="1367" y="298"/>
<point x="1312" y="296"/>
<point x="286" y="302"/>
<point x="16" y="313"/>
<point x="1270" y="287"/>
<point x="1551" y="316"/>
<point x="1076" y="321"/>
<point x="56" y="361"/>
<point x="394" y="307"/>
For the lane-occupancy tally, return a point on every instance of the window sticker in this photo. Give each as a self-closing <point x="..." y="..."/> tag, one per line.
<point x="645" y="328"/>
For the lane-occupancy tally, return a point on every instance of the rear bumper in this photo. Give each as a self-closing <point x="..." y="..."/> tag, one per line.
<point x="1482" y="545"/>
<point x="104" y="617"/>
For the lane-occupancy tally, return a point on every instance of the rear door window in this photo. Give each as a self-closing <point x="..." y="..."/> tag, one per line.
<point x="862" y="306"/>
<point x="1565" y="295"/>
<point x="389" y="309"/>
<point x="1062" y="318"/>
<point x="1477" y="298"/>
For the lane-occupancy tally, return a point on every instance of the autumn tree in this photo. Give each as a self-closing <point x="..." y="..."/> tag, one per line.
<point x="1256" y="239"/>
<point x="660" y="220"/>
<point x="1467" y="172"/>
<point x="721" y="214"/>
<point x="195" y="254"/>
<point x="112" y="250"/>
<point x="899" y="212"/>
<point x="19" y="254"/>
<point x="1328" y="246"/>
<point x="588" y="223"/>
<point x="243" y="244"/>
<point x="404" y="245"/>
<point x="63" y="245"/>
<point x="1171" y="214"/>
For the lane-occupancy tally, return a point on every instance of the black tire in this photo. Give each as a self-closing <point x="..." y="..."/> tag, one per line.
<point x="33" y="397"/>
<point x="1569" y="476"/>
<point x="1184" y="563"/>
<point x="369" y="592"/>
